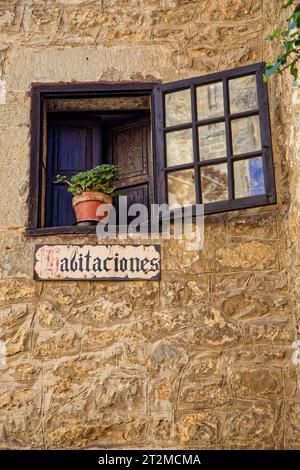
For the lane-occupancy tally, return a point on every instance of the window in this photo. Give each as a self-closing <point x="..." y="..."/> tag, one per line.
<point x="213" y="141"/>
<point x="78" y="141"/>
<point x="201" y="140"/>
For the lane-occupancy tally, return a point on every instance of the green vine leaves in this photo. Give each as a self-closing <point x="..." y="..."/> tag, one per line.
<point x="290" y="42"/>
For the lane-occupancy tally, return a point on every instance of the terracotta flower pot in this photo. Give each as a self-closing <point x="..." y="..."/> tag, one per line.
<point x="86" y="204"/>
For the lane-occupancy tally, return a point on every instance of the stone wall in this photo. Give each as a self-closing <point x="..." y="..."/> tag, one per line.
<point x="201" y="359"/>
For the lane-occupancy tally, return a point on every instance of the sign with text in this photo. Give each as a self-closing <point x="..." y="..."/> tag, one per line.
<point x="93" y="262"/>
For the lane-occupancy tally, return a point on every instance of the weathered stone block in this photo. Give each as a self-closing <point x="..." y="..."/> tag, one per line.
<point x="136" y="293"/>
<point x="186" y="292"/>
<point x="164" y="322"/>
<point x="277" y="332"/>
<point x="108" y="429"/>
<point x="122" y="391"/>
<point x="15" y="265"/>
<point x="103" y="312"/>
<point x="161" y="429"/>
<point x="253" y="256"/>
<point x="21" y="430"/>
<point x="63" y="295"/>
<point x="229" y="10"/>
<point x="244" y="307"/>
<point x="257" y="381"/>
<point x="254" y="423"/>
<point x="224" y="283"/>
<point x="166" y="358"/>
<point x="45" y="18"/>
<point x="290" y="380"/>
<point x="14" y="154"/>
<point x="197" y="429"/>
<point x="47" y="316"/>
<point x="215" y="332"/>
<point x="16" y="341"/>
<point x="78" y="370"/>
<point x="163" y="394"/>
<point x="10" y="18"/>
<point x="205" y="393"/>
<point x="260" y="354"/>
<point x="131" y="353"/>
<point x="13" y="290"/>
<point x="177" y="259"/>
<point x="94" y="339"/>
<point x="205" y="364"/>
<point x="17" y="397"/>
<point x="32" y="65"/>
<point x="14" y="315"/>
<point x="293" y="424"/>
<point x="51" y="345"/>
<point x="15" y="111"/>
<point x="255" y="226"/>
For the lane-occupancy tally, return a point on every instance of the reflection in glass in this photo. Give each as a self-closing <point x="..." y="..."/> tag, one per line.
<point x="245" y="135"/>
<point x="243" y="94"/>
<point x="179" y="147"/>
<point x="249" y="177"/>
<point x="178" y="107"/>
<point x="181" y="188"/>
<point x="212" y="141"/>
<point x="214" y="183"/>
<point x="210" y="101"/>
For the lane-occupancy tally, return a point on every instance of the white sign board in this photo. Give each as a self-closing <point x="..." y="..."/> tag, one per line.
<point x="92" y="262"/>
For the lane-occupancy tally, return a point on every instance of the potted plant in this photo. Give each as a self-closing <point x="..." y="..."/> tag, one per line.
<point x="91" y="189"/>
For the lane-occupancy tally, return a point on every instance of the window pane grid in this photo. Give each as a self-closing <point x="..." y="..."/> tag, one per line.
<point x="186" y="166"/>
<point x="178" y="127"/>
<point x="240" y="141"/>
<point x="196" y="147"/>
<point x="228" y="139"/>
<point x="215" y="120"/>
<point x="195" y="125"/>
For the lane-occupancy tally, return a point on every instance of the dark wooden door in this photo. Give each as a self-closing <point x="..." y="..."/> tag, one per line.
<point x="74" y="145"/>
<point x="129" y="147"/>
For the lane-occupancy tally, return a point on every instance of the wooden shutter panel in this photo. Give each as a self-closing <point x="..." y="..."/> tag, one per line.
<point x="129" y="147"/>
<point x="73" y="146"/>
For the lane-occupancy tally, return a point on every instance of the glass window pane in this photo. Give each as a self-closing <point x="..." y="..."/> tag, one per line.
<point x="214" y="183"/>
<point x="181" y="188"/>
<point x="245" y="135"/>
<point x="178" y="107"/>
<point x="212" y="141"/>
<point x="210" y="101"/>
<point x="179" y="147"/>
<point x="243" y="94"/>
<point x="249" y="177"/>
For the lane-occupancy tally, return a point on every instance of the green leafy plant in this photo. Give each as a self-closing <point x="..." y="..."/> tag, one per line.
<point x="290" y="42"/>
<point x="97" y="179"/>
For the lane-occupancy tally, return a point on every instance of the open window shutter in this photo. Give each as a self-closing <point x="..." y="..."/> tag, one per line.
<point x="129" y="148"/>
<point x="213" y="142"/>
<point x="73" y="146"/>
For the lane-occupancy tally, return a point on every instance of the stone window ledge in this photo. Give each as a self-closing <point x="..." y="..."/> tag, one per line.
<point x="68" y="230"/>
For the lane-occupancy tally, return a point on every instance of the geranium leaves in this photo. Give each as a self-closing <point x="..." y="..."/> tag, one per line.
<point x="97" y="179"/>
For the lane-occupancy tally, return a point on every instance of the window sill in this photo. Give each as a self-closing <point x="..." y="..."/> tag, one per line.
<point x="210" y="209"/>
<point x="68" y="230"/>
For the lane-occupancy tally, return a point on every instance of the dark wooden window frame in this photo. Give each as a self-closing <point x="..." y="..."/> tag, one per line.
<point x="42" y="92"/>
<point x="266" y="151"/>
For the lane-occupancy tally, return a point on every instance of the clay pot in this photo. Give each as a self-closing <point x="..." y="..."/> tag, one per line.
<point x="86" y="204"/>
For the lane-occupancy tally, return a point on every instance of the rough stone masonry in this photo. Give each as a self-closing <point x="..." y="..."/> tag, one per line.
<point x="201" y="358"/>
